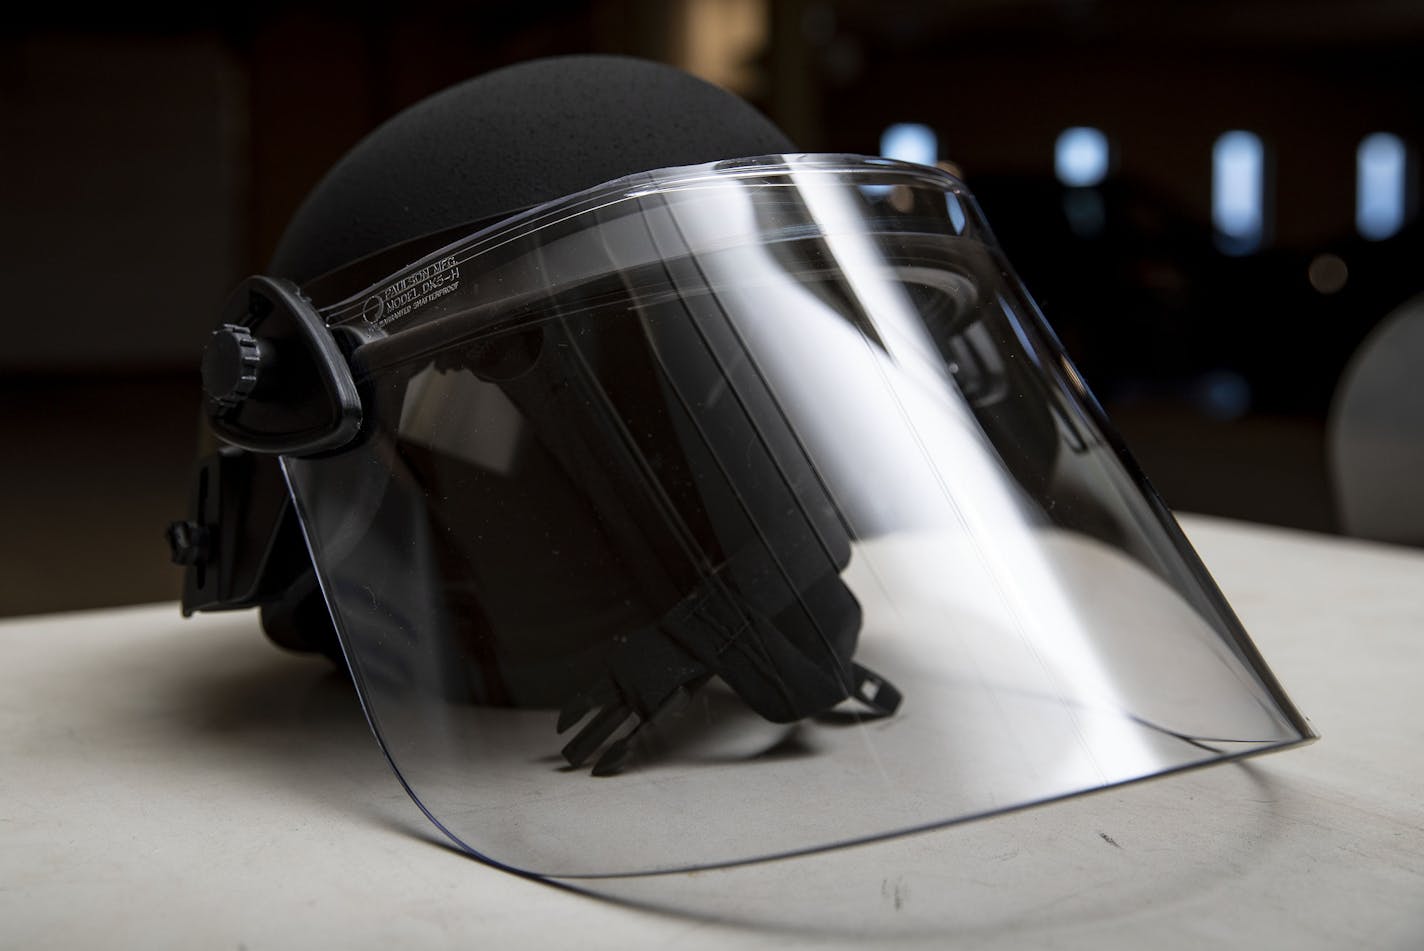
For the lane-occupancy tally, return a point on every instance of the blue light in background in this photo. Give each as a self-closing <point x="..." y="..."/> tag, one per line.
<point x="1380" y="170"/>
<point x="907" y="142"/>
<point x="1238" y="191"/>
<point x="1080" y="156"/>
<point x="910" y="142"/>
<point x="1223" y="395"/>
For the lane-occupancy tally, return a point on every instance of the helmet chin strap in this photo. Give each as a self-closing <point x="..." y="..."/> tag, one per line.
<point x="717" y="631"/>
<point x="755" y="593"/>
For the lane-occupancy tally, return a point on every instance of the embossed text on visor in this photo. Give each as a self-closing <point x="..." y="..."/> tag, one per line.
<point x="738" y="511"/>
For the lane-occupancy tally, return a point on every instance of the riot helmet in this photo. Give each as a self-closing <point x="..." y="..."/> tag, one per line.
<point x="678" y="499"/>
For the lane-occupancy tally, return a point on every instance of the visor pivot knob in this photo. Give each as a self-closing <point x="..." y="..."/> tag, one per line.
<point x="232" y="364"/>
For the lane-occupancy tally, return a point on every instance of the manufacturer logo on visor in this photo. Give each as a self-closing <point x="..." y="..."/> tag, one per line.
<point x="415" y="290"/>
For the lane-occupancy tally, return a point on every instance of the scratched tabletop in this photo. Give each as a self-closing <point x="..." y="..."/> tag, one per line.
<point x="182" y="784"/>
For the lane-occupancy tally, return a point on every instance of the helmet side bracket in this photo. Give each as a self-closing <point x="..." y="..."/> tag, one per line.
<point x="275" y="378"/>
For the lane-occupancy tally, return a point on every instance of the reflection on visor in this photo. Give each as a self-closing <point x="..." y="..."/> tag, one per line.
<point x="762" y="493"/>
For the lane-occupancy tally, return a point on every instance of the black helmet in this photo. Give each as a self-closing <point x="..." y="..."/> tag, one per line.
<point x="576" y="401"/>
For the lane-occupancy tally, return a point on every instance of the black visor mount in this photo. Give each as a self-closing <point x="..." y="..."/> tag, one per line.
<point x="275" y="378"/>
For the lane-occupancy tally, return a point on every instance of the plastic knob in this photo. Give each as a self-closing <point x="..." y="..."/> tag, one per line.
<point x="232" y="365"/>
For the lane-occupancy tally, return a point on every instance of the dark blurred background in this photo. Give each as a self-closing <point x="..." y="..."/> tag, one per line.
<point x="1214" y="202"/>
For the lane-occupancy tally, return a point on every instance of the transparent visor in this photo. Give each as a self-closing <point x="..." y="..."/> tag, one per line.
<point x="729" y="512"/>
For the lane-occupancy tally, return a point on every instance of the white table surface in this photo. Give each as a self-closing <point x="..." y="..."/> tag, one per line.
<point x="181" y="784"/>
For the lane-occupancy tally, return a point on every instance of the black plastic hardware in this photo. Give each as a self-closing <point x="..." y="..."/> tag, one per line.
<point x="276" y="379"/>
<point x="717" y="631"/>
<point x="190" y="542"/>
<point x="241" y="542"/>
<point x="232" y="365"/>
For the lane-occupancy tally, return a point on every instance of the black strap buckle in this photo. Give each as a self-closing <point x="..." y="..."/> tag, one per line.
<point x="240" y="543"/>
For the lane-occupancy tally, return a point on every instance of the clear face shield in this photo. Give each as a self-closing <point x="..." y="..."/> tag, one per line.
<point x="736" y="511"/>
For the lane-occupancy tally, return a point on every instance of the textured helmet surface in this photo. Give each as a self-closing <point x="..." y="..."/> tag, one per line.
<point x="509" y="139"/>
